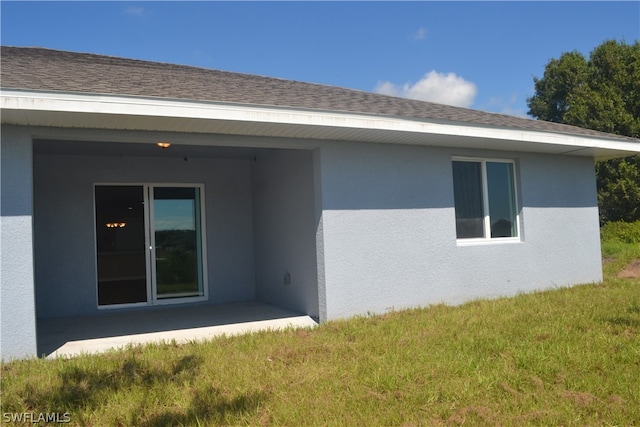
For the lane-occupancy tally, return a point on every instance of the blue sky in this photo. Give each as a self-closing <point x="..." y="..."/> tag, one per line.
<point x="480" y="55"/>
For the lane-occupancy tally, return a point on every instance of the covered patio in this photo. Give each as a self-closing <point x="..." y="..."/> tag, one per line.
<point x="71" y="336"/>
<point x="259" y="266"/>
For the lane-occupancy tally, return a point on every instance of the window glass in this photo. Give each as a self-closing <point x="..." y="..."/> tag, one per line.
<point x="178" y="262"/>
<point x="467" y="193"/>
<point x="120" y="244"/>
<point x="502" y="212"/>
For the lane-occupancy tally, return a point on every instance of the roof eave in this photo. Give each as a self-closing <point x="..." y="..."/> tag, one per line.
<point x="104" y="111"/>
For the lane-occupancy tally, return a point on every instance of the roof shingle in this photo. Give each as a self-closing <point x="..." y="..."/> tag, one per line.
<point x="54" y="70"/>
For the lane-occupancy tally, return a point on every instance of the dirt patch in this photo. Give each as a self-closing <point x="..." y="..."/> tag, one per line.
<point x="538" y="383"/>
<point x="302" y="333"/>
<point x="506" y="387"/>
<point x="631" y="271"/>
<point x="472" y="414"/>
<point x="580" y="398"/>
<point x="616" y="401"/>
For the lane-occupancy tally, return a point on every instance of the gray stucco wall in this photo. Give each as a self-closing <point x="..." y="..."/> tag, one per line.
<point x="285" y="230"/>
<point x="65" y="264"/>
<point x="17" y="311"/>
<point x="359" y="227"/>
<point x="389" y="229"/>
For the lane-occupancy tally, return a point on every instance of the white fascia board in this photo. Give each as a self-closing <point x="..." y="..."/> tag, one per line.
<point x="159" y="107"/>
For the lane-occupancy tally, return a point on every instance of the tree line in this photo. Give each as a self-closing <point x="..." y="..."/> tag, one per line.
<point x="601" y="92"/>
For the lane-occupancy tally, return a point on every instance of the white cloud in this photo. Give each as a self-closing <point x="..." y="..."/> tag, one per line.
<point x="387" y="88"/>
<point x="437" y="87"/>
<point x="421" y="34"/>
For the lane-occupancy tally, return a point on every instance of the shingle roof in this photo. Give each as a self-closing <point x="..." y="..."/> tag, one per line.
<point x="54" y="70"/>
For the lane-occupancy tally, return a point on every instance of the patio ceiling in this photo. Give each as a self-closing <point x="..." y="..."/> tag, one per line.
<point x="142" y="149"/>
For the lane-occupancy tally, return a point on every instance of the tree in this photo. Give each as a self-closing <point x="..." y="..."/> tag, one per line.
<point x="602" y="93"/>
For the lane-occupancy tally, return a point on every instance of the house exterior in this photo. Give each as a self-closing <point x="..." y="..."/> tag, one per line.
<point x="326" y="201"/>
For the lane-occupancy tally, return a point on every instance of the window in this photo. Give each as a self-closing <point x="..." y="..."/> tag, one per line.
<point x="485" y="199"/>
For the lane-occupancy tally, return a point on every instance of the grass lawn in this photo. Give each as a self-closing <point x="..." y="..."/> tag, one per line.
<point x="568" y="356"/>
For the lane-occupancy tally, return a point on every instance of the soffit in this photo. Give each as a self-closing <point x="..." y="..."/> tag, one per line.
<point x="142" y="114"/>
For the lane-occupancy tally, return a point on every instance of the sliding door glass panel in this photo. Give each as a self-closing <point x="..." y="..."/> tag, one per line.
<point x="502" y="203"/>
<point x="177" y="242"/>
<point x="467" y="193"/>
<point x="121" y="247"/>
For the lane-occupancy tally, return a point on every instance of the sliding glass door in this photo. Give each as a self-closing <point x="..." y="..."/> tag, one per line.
<point x="149" y="244"/>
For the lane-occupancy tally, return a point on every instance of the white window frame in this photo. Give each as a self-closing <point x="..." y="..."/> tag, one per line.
<point x="487" y="239"/>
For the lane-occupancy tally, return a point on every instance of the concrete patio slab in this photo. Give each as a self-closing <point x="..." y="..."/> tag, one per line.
<point x="72" y="336"/>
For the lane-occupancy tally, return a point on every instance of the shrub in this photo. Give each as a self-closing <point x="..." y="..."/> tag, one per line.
<point x="625" y="232"/>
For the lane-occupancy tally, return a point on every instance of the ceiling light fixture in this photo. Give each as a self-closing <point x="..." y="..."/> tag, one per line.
<point x="163" y="144"/>
<point x="116" y="224"/>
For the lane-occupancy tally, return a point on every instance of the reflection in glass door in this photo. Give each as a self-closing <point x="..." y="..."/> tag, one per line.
<point x="177" y="245"/>
<point x="149" y="244"/>
<point x="121" y="244"/>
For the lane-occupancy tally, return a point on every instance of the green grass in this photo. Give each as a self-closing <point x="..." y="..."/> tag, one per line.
<point x="620" y="245"/>
<point x="569" y="356"/>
